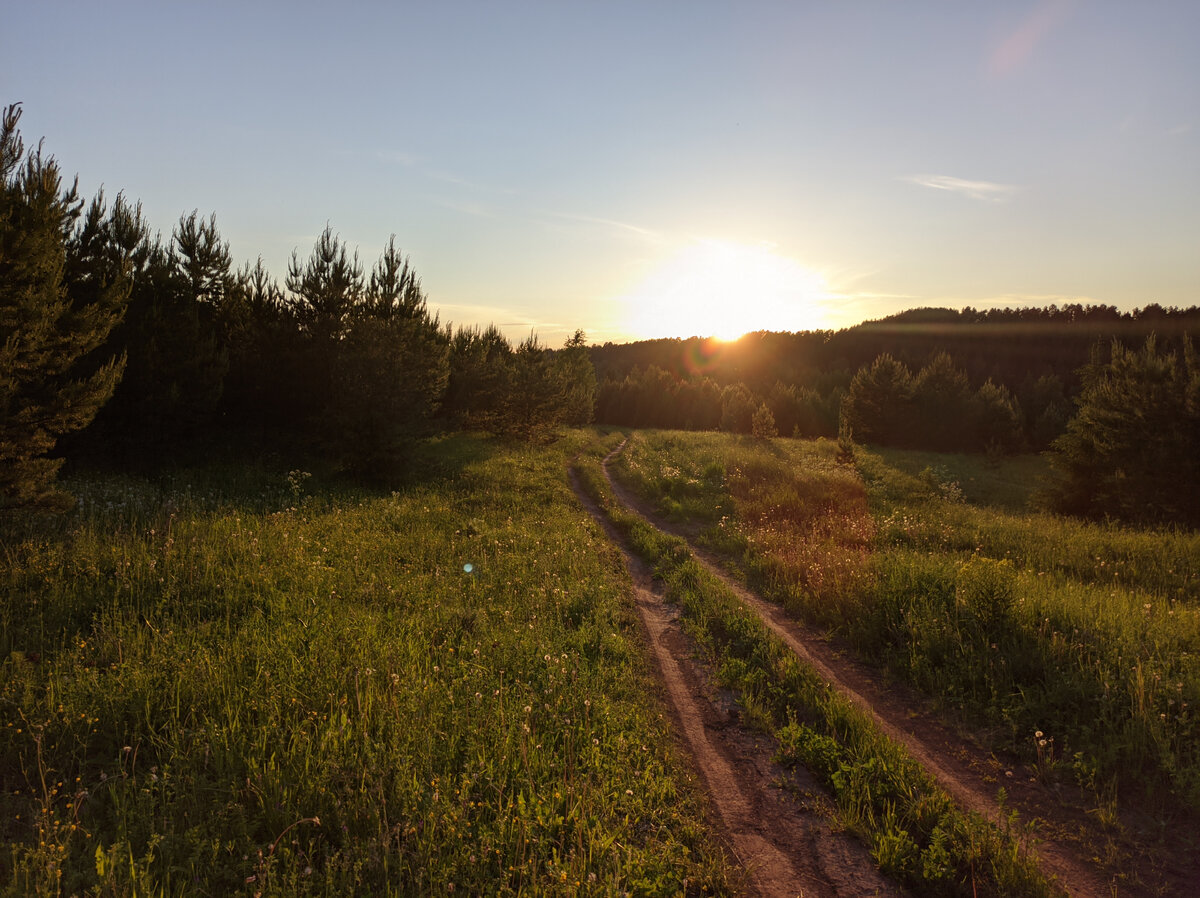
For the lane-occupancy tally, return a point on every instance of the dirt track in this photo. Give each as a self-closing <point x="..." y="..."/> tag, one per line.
<point x="782" y="838"/>
<point x="798" y="853"/>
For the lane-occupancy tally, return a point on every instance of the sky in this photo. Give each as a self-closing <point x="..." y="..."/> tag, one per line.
<point x="646" y="169"/>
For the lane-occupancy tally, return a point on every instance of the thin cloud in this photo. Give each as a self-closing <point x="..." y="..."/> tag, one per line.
<point x="988" y="191"/>
<point x="647" y="233"/>
<point x="1020" y="45"/>
<point x="451" y="178"/>
<point x="478" y="210"/>
<point x="397" y="157"/>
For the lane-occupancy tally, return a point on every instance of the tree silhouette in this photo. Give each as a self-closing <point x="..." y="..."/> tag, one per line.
<point x="44" y="333"/>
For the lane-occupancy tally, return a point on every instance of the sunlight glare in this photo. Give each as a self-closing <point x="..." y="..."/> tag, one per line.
<point x="715" y="288"/>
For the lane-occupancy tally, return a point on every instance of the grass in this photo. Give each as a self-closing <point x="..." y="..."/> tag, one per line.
<point x="915" y="832"/>
<point x="1075" y="644"/>
<point x="264" y="685"/>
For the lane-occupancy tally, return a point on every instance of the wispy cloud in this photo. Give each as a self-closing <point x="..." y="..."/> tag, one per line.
<point x="478" y="210"/>
<point x="397" y="157"/>
<point x="1019" y="45"/>
<point x="987" y="191"/>
<point x="451" y="178"/>
<point x="512" y="323"/>
<point x="647" y="233"/>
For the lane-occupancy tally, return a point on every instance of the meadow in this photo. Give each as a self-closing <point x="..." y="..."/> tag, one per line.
<point x="1076" y="645"/>
<point x="915" y="832"/>
<point x="253" y="682"/>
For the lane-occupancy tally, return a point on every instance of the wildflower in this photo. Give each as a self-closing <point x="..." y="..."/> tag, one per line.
<point x="1037" y="735"/>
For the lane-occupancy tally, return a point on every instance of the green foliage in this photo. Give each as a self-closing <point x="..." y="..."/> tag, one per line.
<point x="524" y="393"/>
<point x="246" y="682"/>
<point x="935" y="410"/>
<point x="913" y="828"/>
<point x="1024" y="621"/>
<point x="45" y="333"/>
<point x="478" y="379"/>
<point x="1130" y="451"/>
<point x="876" y="408"/>
<point x="996" y="418"/>
<point x="941" y="397"/>
<point x="737" y="408"/>
<point x="579" y="378"/>
<point x="762" y="424"/>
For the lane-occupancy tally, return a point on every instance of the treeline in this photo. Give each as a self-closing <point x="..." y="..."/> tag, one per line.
<point x="1030" y="359"/>
<point x="161" y="345"/>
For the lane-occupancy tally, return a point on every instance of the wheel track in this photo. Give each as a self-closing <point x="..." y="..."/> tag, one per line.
<point x="939" y="751"/>
<point x="785" y="848"/>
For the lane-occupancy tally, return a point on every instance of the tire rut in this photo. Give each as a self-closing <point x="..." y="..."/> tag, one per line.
<point x="950" y="760"/>
<point x="782" y="838"/>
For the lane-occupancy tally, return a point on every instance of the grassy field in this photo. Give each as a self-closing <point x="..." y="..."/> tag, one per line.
<point x="1076" y="644"/>
<point x="249" y="683"/>
<point x="914" y="831"/>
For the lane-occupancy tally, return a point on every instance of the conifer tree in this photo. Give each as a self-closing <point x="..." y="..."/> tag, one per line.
<point x="878" y="406"/>
<point x="390" y="370"/>
<point x="1130" y="450"/>
<point x="579" y="380"/>
<point x="480" y="374"/>
<point x="942" y="406"/>
<point x="43" y="333"/>
<point x="737" y="408"/>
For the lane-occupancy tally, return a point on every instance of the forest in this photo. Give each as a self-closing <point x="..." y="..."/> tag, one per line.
<point x="124" y="347"/>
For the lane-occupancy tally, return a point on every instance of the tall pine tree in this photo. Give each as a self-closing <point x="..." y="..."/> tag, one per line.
<point x="43" y="333"/>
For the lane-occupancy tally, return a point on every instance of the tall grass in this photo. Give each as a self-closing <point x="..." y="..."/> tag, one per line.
<point x="1075" y="644"/>
<point x="293" y="689"/>
<point x="913" y="829"/>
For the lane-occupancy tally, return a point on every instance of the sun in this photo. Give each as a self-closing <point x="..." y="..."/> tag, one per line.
<point x="715" y="288"/>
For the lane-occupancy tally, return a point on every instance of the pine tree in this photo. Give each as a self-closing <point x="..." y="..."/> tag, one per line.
<point x="762" y="425"/>
<point x="390" y="370"/>
<point x="942" y="406"/>
<point x="579" y="380"/>
<point x="1130" y="450"/>
<point x="737" y="408"/>
<point x="44" y="333"/>
<point x="480" y="375"/>
<point x="878" y="406"/>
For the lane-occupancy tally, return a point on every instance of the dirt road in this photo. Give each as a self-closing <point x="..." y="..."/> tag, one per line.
<point x="971" y="775"/>
<point x="783" y="838"/>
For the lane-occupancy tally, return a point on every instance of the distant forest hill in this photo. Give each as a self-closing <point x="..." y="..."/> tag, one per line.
<point x="1036" y="355"/>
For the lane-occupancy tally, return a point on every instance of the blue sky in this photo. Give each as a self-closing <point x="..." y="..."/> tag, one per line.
<point x="644" y="169"/>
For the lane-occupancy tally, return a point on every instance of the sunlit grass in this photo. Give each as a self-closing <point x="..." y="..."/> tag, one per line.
<point x="913" y="829"/>
<point x="1027" y="622"/>
<point x="287" y="688"/>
